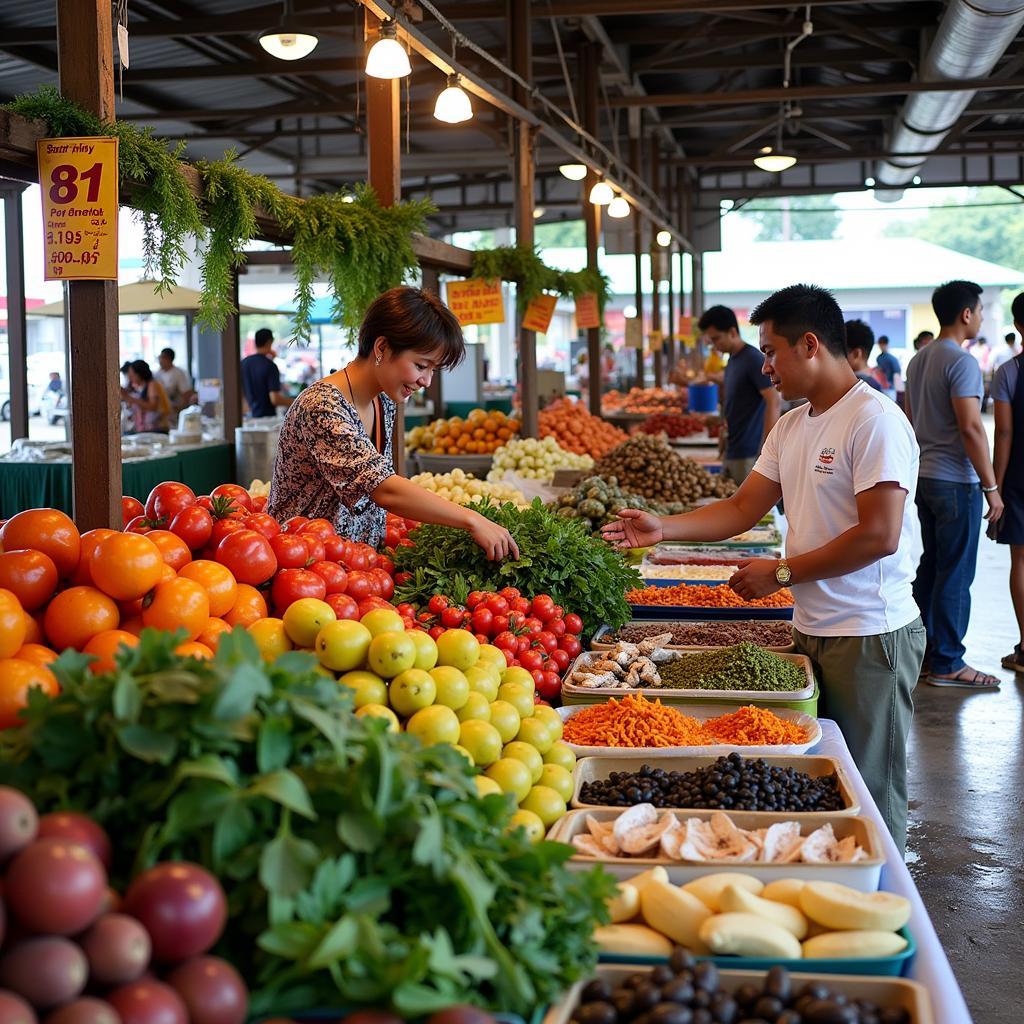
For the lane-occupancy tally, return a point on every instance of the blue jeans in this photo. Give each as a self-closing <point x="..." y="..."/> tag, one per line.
<point x="950" y="515"/>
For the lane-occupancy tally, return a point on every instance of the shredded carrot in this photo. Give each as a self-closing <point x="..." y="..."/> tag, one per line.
<point x="701" y="596"/>
<point x="635" y="721"/>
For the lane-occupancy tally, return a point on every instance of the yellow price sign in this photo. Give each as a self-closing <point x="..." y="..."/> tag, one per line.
<point x="476" y="301"/>
<point x="539" y="312"/>
<point x="78" y="185"/>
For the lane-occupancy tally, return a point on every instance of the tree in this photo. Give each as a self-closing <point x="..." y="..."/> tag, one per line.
<point x="565" y="234"/>
<point x="790" y="218"/>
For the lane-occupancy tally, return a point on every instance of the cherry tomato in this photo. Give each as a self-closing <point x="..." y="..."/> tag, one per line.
<point x="406" y="609"/>
<point x="194" y="526"/>
<point x="248" y="555"/>
<point x="510" y="593"/>
<point x="130" y="508"/>
<point x="451" y="618"/>
<point x="291" y="551"/>
<point x="497" y="604"/>
<point x="166" y="500"/>
<point x="521" y="605"/>
<point x="522" y="645"/>
<point x="314" y="545"/>
<point x="476" y="597"/>
<point x="499" y="623"/>
<point x="334" y="548"/>
<point x="238" y="494"/>
<point x="533" y="625"/>
<point x="570" y="645"/>
<point x="425" y="617"/>
<point x="386" y="582"/>
<point x="290" y="585"/>
<point x="559" y="611"/>
<point x="322" y="528"/>
<point x="556" y="626"/>
<point x="402" y="577"/>
<point x="547" y="640"/>
<point x="483" y="620"/>
<point x="333" y="575"/>
<point x="549" y="685"/>
<point x="435" y="631"/>
<point x="262" y="523"/>
<point x="573" y="624"/>
<point x="344" y="606"/>
<point x="543" y="608"/>
<point x="437" y="604"/>
<point x="561" y="659"/>
<point x="294" y="524"/>
<point x="506" y="641"/>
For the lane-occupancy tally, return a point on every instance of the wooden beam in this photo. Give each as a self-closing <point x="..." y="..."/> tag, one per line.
<point x="656" y="352"/>
<point x="14" y="260"/>
<point x="86" y="61"/>
<point x="589" y="64"/>
<point x="231" y="370"/>
<point x="435" y="392"/>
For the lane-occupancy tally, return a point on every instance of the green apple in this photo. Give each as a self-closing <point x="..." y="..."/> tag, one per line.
<point x="536" y="733"/>
<point x="477" y="708"/>
<point x="561" y="754"/>
<point x="484" y="679"/>
<point x="529" y="821"/>
<point x="482" y="741"/>
<point x="303" y="620"/>
<point x="426" y="649"/>
<point x="341" y="644"/>
<point x="493" y="656"/>
<point x="458" y="648"/>
<point x="452" y="686"/>
<point x="379" y="711"/>
<point x="513" y="776"/>
<point x="367" y="688"/>
<point x="519" y="697"/>
<point x="411" y="690"/>
<point x="520" y="677"/>
<point x="383" y="620"/>
<point x="390" y="654"/>
<point x="551" y="718"/>
<point x="557" y="778"/>
<point x="547" y="804"/>
<point x="528" y="755"/>
<point x="434" y="724"/>
<point x="505" y="719"/>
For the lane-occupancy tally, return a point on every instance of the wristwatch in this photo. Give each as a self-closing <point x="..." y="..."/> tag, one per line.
<point x="783" y="573"/>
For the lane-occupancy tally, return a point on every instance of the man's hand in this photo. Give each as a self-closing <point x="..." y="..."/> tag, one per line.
<point x="633" y="529"/>
<point x="755" y="578"/>
<point x="995" y="506"/>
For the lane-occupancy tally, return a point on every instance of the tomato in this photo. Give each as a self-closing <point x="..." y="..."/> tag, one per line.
<point x="561" y="659"/>
<point x="16" y="678"/>
<point x="194" y="649"/>
<point x="291" y="551"/>
<point x="291" y="585"/>
<point x="214" y="629"/>
<point x="127" y="566"/>
<point x="497" y="604"/>
<point x="220" y="586"/>
<point x="405" y="608"/>
<point x="13" y="624"/>
<point x="437" y="604"/>
<point x="543" y="608"/>
<point x="166" y="500"/>
<point x="538" y="676"/>
<point x="238" y="494"/>
<point x="248" y="555"/>
<point x="499" y="623"/>
<point x="314" y="547"/>
<point x="177" y="604"/>
<point x="36" y="652"/>
<point x="140" y="524"/>
<point x="130" y="508"/>
<point x="262" y="523"/>
<point x="104" y="646"/>
<point x="322" y="528"/>
<point x="531" y="659"/>
<point x="516" y="619"/>
<point x="547" y="640"/>
<point x="372" y="604"/>
<point x="559" y="611"/>
<point x="194" y="526"/>
<point x="76" y="615"/>
<point x="132" y="624"/>
<point x="174" y="550"/>
<point x="91" y="539"/>
<point x="386" y="582"/>
<point x="30" y="576"/>
<point x="221" y="528"/>
<point x="573" y="623"/>
<point x="533" y="625"/>
<point x="248" y="607"/>
<point x="435" y="631"/>
<point x="402" y="577"/>
<point x="451" y="618"/>
<point x="505" y="641"/>
<point x="549" y="685"/>
<point x="44" y="529"/>
<point x="510" y="593"/>
<point x="335" y="548"/>
<point x="344" y="606"/>
<point x="520" y="605"/>
<point x="522" y="645"/>
<point x="483" y="620"/>
<point x="391" y="537"/>
<point x="294" y="524"/>
<point x="385" y="563"/>
<point x="476" y="597"/>
<point x="333" y="575"/>
<point x="371" y="555"/>
<point x="360" y="585"/>
<point x="260" y="503"/>
<point x="34" y="628"/>
<point x="570" y="645"/>
<point x="355" y="559"/>
<point x="557" y="627"/>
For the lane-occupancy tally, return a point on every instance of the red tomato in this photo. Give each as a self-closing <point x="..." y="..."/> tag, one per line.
<point x="543" y="608"/>
<point x="411" y="623"/>
<point x="166" y="500"/>
<point x="262" y="523"/>
<point x="130" y="508"/>
<point x="248" y="555"/>
<point x="371" y="555"/>
<point x="314" y="545"/>
<point x="425" y="617"/>
<point x="322" y="528"/>
<point x="522" y="645"/>
<point x="556" y="626"/>
<point x="499" y="623"/>
<point x="334" y="576"/>
<point x="435" y="631"/>
<point x="355" y="560"/>
<point x="533" y="625"/>
<point x="437" y="604"/>
<point x="238" y="494"/>
<point x="205" y="501"/>
<point x="451" y="618"/>
<point x="538" y="675"/>
<point x="406" y="609"/>
<point x="221" y="528"/>
<point x="483" y="620"/>
<point x="386" y="582"/>
<point x="385" y="563"/>
<point x="291" y="551"/>
<point x="391" y="537"/>
<point x="294" y="524"/>
<point x="573" y="624"/>
<point x="173" y="549"/>
<point x="570" y="645"/>
<point x="372" y="603"/>
<point x="549" y="685"/>
<point x="559" y="611"/>
<point x="30" y="575"/>
<point x="411" y="524"/>
<point x="506" y="641"/>
<point x="260" y="503"/>
<point x="402" y="577"/>
<point x="360" y="585"/>
<point x="140" y="524"/>
<point x="561" y="659"/>
<point x="497" y="604"/>
<point x="476" y="597"/>
<point x="531" y="659"/>
<point x="335" y="548"/>
<point x="510" y="593"/>
<point x="344" y="606"/>
<point x="520" y="605"/>
<point x="516" y="619"/>
<point x="292" y="584"/>
<point x="547" y="640"/>
<point x="194" y="526"/>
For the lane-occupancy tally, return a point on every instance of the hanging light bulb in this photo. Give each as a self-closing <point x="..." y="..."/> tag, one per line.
<point x="619" y="208"/>
<point x="574" y="172"/>
<point x="664" y="238"/>
<point x="774" y="163"/>
<point x="539" y="211"/>
<point x="453" y="104"/>
<point x="387" y="58"/>
<point x="284" y="41"/>
<point x="601" y="194"/>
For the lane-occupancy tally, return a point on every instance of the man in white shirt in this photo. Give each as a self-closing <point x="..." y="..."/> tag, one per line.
<point x="175" y="380"/>
<point x="1006" y="353"/>
<point x="846" y="465"/>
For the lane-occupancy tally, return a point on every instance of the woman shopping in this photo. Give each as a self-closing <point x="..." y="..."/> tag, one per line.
<point x="334" y="457"/>
<point x="148" y="402"/>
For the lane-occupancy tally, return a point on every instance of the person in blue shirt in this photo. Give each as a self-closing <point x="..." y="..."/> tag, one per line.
<point x="261" y="379"/>
<point x="749" y="403"/>
<point x="889" y="365"/>
<point x="860" y="340"/>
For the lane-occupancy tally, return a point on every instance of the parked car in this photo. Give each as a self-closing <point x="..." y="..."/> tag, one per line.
<point x="34" y="403"/>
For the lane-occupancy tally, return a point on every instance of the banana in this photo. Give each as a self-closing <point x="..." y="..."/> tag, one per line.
<point x="843" y="909"/>
<point x="854" y="945"/>
<point x="674" y="913"/>
<point x="708" y="888"/>
<point x="735" y="899"/>
<point x="748" y="935"/>
<point x="784" y="890"/>
<point x="625" y="904"/>
<point x="631" y="940"/>
<point x="658" y="874"/>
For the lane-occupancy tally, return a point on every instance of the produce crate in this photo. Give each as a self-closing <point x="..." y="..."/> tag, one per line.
<point x="805" y="699"/>
<point x="704" y="712"/>
<point x="863" y="875"/>
<point x="660" y="581"/>
<point x="601" y="642"/>
<point x="478" y="465"/>
<point x="897" y="993"/>
<point x="592" y="769"/>
<point x="771" y="539"/>
<point x="688" y="613"/>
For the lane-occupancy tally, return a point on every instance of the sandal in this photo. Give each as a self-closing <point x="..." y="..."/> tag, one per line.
<point x="967" y="677"/>
<point x="1014" y="661"/>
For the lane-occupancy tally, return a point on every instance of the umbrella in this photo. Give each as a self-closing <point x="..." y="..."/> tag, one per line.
<point x="142" y="297"/>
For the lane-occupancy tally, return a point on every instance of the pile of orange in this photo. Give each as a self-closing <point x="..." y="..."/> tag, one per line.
<point x="577" y="431"/>
<point x="480" y="433"/>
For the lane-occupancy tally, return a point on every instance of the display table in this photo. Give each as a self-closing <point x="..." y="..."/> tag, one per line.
<point x="48" y="484"/>
<point x="931" y="966"/>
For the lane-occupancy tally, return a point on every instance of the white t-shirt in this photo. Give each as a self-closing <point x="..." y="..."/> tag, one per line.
<point x="823" y="462"/>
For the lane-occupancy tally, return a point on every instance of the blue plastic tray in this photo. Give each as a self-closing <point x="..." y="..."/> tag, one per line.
<point x="690" y="613"/>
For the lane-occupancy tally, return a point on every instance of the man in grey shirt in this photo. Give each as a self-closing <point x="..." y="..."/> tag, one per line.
<point x="943" y="401"/>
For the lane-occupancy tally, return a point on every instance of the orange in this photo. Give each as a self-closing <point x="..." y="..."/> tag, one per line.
<point x="193" y="649"/>
<point x="76" y="615"/>
<point x="177" y="604"/>
<point x="12" y="624"/>
<point x="16" y="677"/>
<point x="48" y="530"/>
<point x="105" y="645"/>
<point x="132" y="624"/>
<point x="126" y="566"/>
<point x="175" y="551"/>
<point x="33" y="629"/>
<point x="216" y="580"/>
<point x="30" y="575"/>
<point x="36" y="652"/>
<point x="90" y="541"/>
<point x="212" y="632"/>
<point x="248" y="607"/>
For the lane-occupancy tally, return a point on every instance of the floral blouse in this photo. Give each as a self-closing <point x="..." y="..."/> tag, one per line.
<point x="327" y="466"/>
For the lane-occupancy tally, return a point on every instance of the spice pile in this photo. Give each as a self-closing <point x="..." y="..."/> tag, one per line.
<point x="681" y="425"/>
<point x="765" y="633"/>
<point x="679" y="571"/>
<point x="637" y="722"/>
<point x="744" y="666"/>
<point x="699" y="595"/>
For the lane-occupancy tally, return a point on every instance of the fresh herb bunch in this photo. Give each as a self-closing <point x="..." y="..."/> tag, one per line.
<point x="360" y="867"/>
<point x="557" y="556"/>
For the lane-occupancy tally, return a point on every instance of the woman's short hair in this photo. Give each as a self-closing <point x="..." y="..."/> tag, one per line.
<point x="141" y="370"/>
<point x="411" y="318"/>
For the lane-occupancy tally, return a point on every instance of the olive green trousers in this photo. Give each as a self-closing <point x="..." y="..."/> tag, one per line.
<point x="866" y="684"/>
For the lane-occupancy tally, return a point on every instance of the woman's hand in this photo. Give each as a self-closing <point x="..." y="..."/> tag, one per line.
<point x="496" y="541"/>
<point x="633" y="529"/>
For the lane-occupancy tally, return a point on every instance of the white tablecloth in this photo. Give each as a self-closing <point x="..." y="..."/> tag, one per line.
<point x="931" y="966"/>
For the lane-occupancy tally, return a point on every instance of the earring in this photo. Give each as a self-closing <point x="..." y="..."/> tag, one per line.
<point x="378" y="361"/>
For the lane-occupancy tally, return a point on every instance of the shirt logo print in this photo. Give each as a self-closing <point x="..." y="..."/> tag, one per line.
<point x="824" y="463"/>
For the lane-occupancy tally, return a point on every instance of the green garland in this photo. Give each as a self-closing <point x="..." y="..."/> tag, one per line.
<point x="523" y="265"/>
<point x="362" y="247"/>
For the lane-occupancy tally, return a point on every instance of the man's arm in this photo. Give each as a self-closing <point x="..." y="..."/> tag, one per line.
<point x="726" y="518"/>
<point x="772" y="407"/>
<point x="1004" y="439"/>
<point x="972" y="433"/>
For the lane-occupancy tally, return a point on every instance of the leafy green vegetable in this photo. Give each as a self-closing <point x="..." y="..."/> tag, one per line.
<point x="557" y="556"/>
<point x="361" y="868"/>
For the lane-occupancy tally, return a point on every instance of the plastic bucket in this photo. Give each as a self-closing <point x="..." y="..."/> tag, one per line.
<point x="703" y="397"/>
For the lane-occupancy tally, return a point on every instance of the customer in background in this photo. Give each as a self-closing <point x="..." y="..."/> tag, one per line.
<point x="889" y="366"/>
<point x="860" y="340"/>
<point x="261" y="379"/>
<point x="175" y="380"/>
<point x="923" y="339"/>
<point x="1008" y="397"/>
<point x="749" y="402"/>
<point x="145" y="395"/>
<point x="943" y="401"/>
<point x="1009" y="351"/>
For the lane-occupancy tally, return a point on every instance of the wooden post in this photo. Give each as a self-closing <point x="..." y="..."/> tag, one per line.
<point x="670" y="329"/>
<point x="521" y="52"/>
<point x="383" y="131"/>
<point x="231" y="370"/>
<point x="655" y="174"/>
<point x="589" y="71"/>
<point x="14" y="245"/>
<point x="638" y="248"/>
<point x="429" y="282"/>
<point x="683" y="198"/>
<point x="86" y="65"/>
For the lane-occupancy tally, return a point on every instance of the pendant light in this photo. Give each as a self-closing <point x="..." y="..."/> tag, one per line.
<point x="574" y="172"/>
<point x="619" y="208"/>
<point x="453" y="104"/>
<point x="284" y="41"/>
<point x="774" y="161"/>
<point x="601" y="194"/>
<point x="387" y="58"/>
<point x="664" y="238"/>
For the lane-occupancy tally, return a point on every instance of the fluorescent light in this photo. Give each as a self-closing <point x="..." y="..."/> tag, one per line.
<point x="664" y="238"/>
<point x="453" y="104"/>
<point x="288" y="45"/>
<point x="387" y="58"/>
<point x="774" y="162"/>
<point x="601" y="194"/>
<point x="574" y="172"/>
<point x="618" y="208"/>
